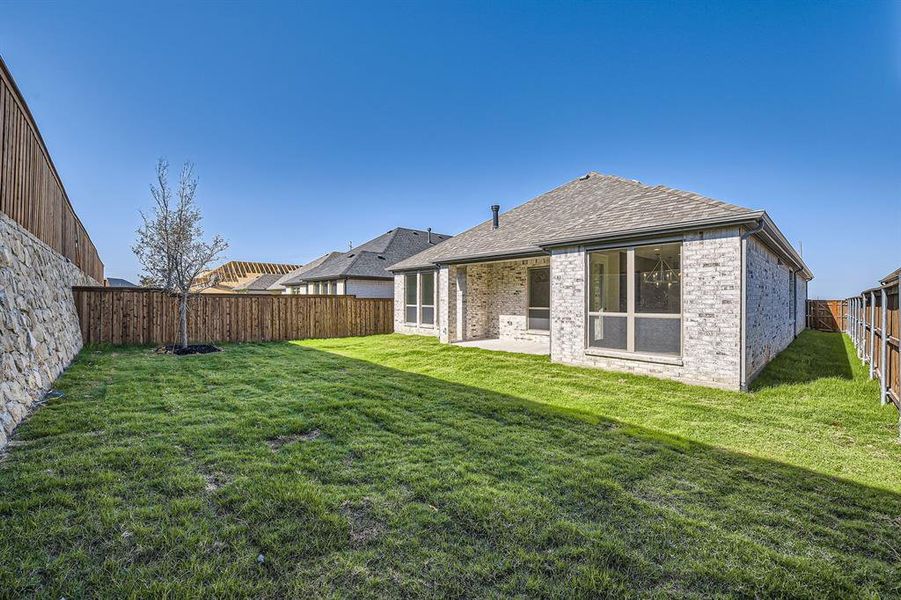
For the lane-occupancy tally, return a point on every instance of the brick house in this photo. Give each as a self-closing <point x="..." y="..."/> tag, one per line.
<point x="362" y="271"/>
<point x="611" y="273"/>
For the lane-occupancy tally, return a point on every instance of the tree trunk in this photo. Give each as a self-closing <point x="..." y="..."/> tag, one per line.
<point x="183" y="321"/>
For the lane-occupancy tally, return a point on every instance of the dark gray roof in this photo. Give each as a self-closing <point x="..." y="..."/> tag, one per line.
<point x="118" y="282"/>
<point x="372" y="259"/>
<point x="260" y="283"/>
<point x="294" y="277"/>
<point x="592" y="205"/>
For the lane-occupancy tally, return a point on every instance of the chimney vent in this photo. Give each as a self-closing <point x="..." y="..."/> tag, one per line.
<point x="494" y="218"/>
<point x="429" y="231"/>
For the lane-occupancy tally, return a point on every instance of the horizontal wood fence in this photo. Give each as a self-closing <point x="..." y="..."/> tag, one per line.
<point x="31" y="192"/>
<point x="873" y="324"/>
<point x="826" y="315"/>
<point x="148" y="316"/>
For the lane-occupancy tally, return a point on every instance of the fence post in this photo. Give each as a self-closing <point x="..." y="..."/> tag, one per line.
<point x="872" y="353"/>
<point x="883" y="383"/>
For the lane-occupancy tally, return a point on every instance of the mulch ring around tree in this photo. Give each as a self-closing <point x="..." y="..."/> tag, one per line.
<point x="189" y="349"/>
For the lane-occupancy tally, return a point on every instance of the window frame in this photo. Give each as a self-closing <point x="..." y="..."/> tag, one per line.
<point x="420" y="299"/>
<point x="529" y="306"/>
<point x="631" y="314"/>
<point x="419" y="305"/>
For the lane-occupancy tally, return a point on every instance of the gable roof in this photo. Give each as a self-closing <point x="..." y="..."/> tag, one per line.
<point x="592" y="206"/>
<point x="259" y="283"/>
<point x="293" y="277"/>
<point x="372" y="259"/>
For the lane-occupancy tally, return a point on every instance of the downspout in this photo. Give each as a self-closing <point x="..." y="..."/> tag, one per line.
<point x="743" y="316"/>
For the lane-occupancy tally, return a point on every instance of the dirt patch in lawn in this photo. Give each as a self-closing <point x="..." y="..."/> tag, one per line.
<point x="283" y="440"/>
<point x="364" y="527"/>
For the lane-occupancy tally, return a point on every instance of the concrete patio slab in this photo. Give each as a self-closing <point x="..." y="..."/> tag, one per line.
<point x="518" y="346"/>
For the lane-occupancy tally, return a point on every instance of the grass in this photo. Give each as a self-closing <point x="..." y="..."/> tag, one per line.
<point x="393" y="466"/>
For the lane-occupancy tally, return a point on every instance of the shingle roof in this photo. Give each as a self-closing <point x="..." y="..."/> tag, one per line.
<point x="258" y="284"/>
<point x="294" y="277"/>
<point x="372" y="259"/>
<point x="592" y="205"/>
<point x="119" y="282"/>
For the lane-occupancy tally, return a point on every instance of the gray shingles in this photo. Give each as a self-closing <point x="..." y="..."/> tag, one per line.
<point x="261" y="283"/>
<point x="372" y="259"/>
<point x="591" y="205"/>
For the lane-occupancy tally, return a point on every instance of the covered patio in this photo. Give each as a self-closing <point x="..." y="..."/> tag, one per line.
<point x="501" y="305"/>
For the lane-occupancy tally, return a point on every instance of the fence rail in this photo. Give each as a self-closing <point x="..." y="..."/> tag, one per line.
<point x="148" y="316"/>
<point x="873" y="324"/>
<point x="31" y="192"/>
<point x="826" y="315"/>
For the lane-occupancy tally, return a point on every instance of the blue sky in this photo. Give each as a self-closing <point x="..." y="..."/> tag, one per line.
<point x="314" y="125"/>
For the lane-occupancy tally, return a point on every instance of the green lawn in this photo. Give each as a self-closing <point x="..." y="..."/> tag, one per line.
<point x="393" y="466"/>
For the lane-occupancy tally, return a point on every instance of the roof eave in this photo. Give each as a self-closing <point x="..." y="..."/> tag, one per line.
<point x="743" y="219"/>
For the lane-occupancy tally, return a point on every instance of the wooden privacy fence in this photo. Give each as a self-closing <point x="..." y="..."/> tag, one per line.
<point x="31" y="192"/>
<point x="873" y="324"/>
<point x="826" y="315"/>
<point x="148" y="316"/>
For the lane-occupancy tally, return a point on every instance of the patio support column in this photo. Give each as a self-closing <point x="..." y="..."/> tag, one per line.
<point x="883" y="383"/>
<point x="460" y="304"/>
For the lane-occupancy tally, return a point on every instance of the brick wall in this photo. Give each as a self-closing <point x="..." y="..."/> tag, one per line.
<point x="711" y="313"/>
<point x="771" y="321"/>
<point x="497" y="302"/>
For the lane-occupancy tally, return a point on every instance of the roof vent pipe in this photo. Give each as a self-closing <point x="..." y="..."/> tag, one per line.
<point x="494" y="219"/>
<point x="429" y="231"/>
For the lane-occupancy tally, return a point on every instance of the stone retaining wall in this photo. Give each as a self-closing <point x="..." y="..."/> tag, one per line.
<point x="39" y="331"/>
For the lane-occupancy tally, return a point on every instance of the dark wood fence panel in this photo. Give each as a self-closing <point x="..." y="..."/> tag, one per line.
<point x="145" y="316"/>
<point x="874" y="324"/>
<point x="31" y="192"/>
<point x="826" y="315"/>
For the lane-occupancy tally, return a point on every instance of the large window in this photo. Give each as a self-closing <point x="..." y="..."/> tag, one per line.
<point x="539" y="299"/>
<point x="419" y="298"/>
<point x="427" y="299"/>
<point x="635" y="299"/>
<point x="410" y="296"/>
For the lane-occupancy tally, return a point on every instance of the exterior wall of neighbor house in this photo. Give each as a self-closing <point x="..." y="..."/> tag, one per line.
<point x="773" y="319"/>
<point x="711" y="314"/>
<point x="370" y="288"/>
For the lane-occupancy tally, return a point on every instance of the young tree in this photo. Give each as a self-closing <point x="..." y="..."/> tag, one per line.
<point x="170" y="243"/>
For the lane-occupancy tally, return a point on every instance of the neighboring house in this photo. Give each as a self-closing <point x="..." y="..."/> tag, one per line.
<point x="363" y="271"/>
<point x="226" y="277"/>
<point x="259" y="285"/>
<point x="117" y="282"/>
<point x="611" y="273"/>
<point x="298" y="286"/>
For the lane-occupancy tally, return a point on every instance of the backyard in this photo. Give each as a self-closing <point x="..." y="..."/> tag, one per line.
<point x="396" y="466"/>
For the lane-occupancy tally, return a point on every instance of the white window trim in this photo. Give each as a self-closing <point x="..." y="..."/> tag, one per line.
<point x="630" y="313"/>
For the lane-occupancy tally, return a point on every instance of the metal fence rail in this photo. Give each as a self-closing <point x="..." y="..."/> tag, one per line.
<point x="874" y="324"/>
